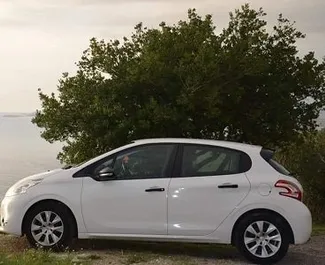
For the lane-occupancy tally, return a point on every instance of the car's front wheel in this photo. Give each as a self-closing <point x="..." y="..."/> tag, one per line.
<point x="49" y="226"/>
<point x="262" y="238"/>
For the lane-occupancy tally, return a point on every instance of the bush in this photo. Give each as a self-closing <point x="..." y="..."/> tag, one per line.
<point x="307" y="160"/>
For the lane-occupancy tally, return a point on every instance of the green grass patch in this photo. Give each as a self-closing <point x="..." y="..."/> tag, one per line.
<point x="183" y="260"/>
<point x="134" y="258"/>
<point x="145" y="257"/>
<point x="39" y="257"/>
<point x="318" y="229"/>
<point x="34" y="257"/>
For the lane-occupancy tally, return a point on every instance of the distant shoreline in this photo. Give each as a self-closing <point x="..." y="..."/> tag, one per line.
<point x="320" y="120"/>
<point x="16" y="115"/>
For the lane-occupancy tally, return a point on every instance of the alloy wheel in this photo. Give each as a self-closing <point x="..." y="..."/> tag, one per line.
<point x="262" y="239"/>
<point x="47" y="228"/>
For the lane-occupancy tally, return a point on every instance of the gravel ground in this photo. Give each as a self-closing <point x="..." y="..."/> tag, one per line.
<point x="312" y="253"/>
<point x="141" y="253"/>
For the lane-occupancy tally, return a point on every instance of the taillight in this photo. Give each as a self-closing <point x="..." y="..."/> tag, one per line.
<point x="291" y="189"/>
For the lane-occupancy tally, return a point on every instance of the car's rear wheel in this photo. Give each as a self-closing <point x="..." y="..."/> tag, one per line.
<point x="49" y="226"/>
<point x="262" y="238"/>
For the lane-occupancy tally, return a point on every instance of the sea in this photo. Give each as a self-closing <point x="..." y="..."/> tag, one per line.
<point x="22" y="150"/>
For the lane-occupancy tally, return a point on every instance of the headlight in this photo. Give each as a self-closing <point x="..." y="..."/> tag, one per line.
<point x="22" y="187"/>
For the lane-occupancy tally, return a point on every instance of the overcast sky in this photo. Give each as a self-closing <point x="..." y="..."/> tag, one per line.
<point x="40" y="39"/>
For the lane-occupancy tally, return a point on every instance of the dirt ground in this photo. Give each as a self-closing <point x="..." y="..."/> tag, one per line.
<point x="100" y="252"/>
<point x="312" y="253"/>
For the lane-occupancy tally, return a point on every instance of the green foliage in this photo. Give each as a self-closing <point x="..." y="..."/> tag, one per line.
<point x="244" y="84"/>
<point x="307" y="160"/>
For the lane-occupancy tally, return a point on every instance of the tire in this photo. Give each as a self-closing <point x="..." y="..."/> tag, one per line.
<point x="49" y="226"/>
<point x="263" y="249"/>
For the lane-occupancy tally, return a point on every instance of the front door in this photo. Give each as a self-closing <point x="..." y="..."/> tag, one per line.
<point x="135" y="202"/>
<point x="209" y="184"/>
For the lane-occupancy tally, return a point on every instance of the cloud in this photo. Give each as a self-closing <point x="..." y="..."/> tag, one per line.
<point x="64" y="15"/>
<point x="40" y="39"/>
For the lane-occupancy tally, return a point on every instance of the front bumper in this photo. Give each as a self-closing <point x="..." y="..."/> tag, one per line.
<point x="2" y="230"/>
<point x="12" y="214"/>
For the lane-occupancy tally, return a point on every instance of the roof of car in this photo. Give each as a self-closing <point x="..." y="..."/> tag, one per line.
<point x="229" y="144"/>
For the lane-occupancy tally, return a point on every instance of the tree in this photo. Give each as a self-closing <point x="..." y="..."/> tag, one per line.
<point x="243" y="84"/>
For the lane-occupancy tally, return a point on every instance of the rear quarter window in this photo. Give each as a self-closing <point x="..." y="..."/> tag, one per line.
<point x="268" y="157"/>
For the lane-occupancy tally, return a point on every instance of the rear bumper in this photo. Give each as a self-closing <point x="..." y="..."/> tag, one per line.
<point x="301" y="224"/>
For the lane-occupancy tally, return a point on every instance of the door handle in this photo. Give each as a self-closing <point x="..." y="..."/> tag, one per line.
<point x="228" y="186"/>
<point x="155" y="189"/>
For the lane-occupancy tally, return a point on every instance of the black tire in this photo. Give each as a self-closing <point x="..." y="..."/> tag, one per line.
<point x="282" y="228"/>
<point x="67" y="220"/>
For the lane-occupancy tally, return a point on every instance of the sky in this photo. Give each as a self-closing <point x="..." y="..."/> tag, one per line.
<point x="41" y="39"/>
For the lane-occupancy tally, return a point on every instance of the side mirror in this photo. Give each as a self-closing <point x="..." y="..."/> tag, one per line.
<point x="106" y="173"/>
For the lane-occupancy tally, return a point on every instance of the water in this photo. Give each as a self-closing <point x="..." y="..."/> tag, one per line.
<point x="22" y="151"/>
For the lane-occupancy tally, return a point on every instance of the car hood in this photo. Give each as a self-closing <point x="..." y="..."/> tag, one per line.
<point x="45" y="174"/>
<point x="41" y="175"/>
<point x="35" y="177"/>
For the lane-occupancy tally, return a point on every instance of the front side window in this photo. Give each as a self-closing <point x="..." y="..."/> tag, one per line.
<point x="104" y="164"/>
<point x="201" y="160"/>
<point x="141" y="162"/>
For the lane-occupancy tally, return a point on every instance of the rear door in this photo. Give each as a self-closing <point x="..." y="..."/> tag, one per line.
<point x="209" y="183"/>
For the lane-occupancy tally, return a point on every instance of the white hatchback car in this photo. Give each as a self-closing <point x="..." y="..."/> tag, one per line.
<point x="184" y="190"/>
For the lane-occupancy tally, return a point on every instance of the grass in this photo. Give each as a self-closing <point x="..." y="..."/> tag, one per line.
<point x="39" y="257"/>
<point x="151" y="258"/>
<point x="34" y="257"/>
<point x="318" y="229"/>
<point x="133" y="258"/>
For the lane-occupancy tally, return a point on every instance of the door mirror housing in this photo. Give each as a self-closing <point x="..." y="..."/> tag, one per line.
<point x="106" y="173"/>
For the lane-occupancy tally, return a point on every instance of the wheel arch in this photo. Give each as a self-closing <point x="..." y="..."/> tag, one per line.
<point x="259" y="211"/>
<point x="46" y="201"/>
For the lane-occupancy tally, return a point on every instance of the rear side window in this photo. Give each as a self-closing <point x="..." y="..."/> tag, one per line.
<point x="268" y="157"/>
<point x="204" y="160"/>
